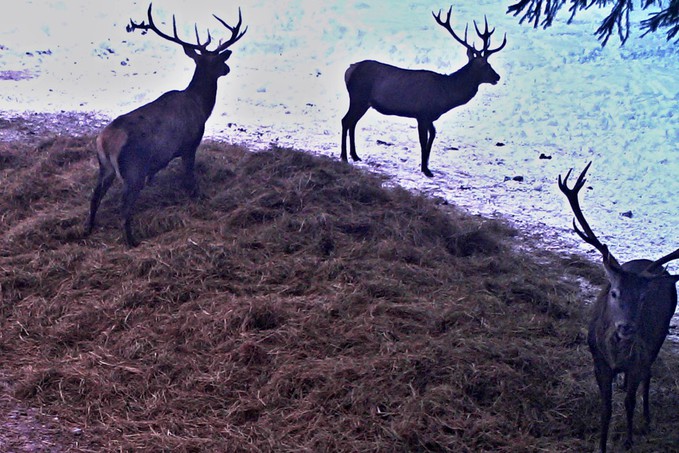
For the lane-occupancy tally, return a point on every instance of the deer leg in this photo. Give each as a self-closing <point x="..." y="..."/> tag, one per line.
<point x="190" y="183"/>
<point x="343" y="152"/>
<point x="355" y="113"/>
<point x="427" y="132"/>
<point x="352" y="144"/>
<point x="630" y="403"/>
<point x="604" y="379"/>
<point x="106" y="176"/>
<point x="151" y="178"/>
<point x="647" y="412"/>
<point x="130" y="194"/>
<point x="430" y="142"/>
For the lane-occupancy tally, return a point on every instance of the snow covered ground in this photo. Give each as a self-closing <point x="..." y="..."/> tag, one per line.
<point x="561" y="95"/>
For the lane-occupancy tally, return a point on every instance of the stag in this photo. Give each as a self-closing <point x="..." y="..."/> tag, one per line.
<point x="423" y="95"/>
<point x="630" y="319"/>
<point x="136" y="145"/>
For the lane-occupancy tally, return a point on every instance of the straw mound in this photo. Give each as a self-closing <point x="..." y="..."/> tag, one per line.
<point x="297" y="306"/>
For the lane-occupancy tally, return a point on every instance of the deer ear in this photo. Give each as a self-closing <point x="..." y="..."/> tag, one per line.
<point x="225" y="55"/>
<point x="613" y="272"/>
<point x="190" y="52"/>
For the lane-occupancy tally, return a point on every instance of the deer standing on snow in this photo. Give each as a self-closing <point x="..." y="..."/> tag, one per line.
<point x="630" y="319"/>
<point x="423" y="95"/>
<point x="135" y="146"/>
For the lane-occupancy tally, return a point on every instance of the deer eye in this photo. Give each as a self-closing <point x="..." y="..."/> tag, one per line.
<point x="615" y="294"/>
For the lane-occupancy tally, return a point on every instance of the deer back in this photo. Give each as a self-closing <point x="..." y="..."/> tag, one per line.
<point x="149" y="137"/>
<point x="410" y="93"/>
<point x="162" y="129"/>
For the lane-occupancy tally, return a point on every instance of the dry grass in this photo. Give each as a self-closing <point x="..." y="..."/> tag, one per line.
<point x="299" y="306"/>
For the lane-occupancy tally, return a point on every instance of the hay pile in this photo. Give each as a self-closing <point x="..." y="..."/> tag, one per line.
<point x="298" y="306"/>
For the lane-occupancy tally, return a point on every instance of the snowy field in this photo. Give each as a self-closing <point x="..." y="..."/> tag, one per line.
<point x="561" y="95"/>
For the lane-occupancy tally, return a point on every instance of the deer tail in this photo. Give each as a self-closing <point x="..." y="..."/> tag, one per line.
<point x="109" y="145"/>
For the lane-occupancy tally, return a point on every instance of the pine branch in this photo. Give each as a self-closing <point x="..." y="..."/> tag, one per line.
<point x="541" y="13"/>
<point x="667" y="18"/>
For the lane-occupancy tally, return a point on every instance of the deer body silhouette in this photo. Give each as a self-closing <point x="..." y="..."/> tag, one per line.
<point x="630" y="319"/>
<point x="136" y="145"/>
<point x="419" y="94"/>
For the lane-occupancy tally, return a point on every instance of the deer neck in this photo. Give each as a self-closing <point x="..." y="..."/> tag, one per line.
<point x="464" y="84"/>
<point x="203" y="89"/>
<point x="620" y="354"/>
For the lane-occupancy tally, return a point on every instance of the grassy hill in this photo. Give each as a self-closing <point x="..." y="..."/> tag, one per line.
<point x="301" y="305"/>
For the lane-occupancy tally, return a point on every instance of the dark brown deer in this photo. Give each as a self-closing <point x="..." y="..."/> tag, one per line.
<point x="135" y="146"/>
<point x="423" y="95"/>
<point x="630" y="319"/>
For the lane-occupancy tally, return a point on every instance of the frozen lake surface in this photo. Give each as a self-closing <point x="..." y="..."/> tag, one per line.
<point x="561" y="95"/>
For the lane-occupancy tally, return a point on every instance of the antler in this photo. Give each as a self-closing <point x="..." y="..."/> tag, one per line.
<point x="659" y="262"/>
<point x="586" y="234"/>
<point x="447" y="26"/>
<point x="236" y="34"/>
<point x="485" y="36"/>
<point x="485" y="52"/>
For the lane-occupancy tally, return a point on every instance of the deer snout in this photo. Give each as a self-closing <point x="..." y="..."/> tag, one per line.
<point x="625" y="330"/>
<point x="492" y="77"/>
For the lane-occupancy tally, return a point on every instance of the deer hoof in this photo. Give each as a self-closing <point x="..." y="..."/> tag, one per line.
<point x="627" y="445"/>
<point x="191" y="187"/>
<point x="355" y="158"/>
<point x="427" y="173"/>
<point x="129" y="239"/>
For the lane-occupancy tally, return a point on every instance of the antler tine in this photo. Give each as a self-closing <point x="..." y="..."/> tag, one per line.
<point x="485" y="36"/>
<point x="485" y="19"/>
<point x="132" y="26"/>
<point x="490" y="52"/>
<point x="152" y="26"/>
<point x="209" y="37"/>
<point x="586" y="234"/>
<point x="657" y="264"/>
<point x="447" y="26"/>
<point x="174" y="24"/>
<point x="234" y="28"/>
<point x="236" y="34"/>
<point x="195" y="29"/>
<point x="563" y="185"/>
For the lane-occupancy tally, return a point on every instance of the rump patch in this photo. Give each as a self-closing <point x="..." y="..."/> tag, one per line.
<point x="109" y="144"/>
<point x="347" y="74"/>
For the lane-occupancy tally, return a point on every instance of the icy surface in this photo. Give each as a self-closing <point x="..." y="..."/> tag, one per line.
<point x="561" y="95"/>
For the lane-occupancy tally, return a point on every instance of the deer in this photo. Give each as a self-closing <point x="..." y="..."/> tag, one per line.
<point x="630" y="319"/>
<point x="419" y="94"/>
<point x="138" y="144"/>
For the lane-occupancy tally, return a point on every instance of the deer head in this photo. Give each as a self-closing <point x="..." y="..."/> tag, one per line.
<point x="478" y="59"/>
<point x="631" y="284"/>
<point x="210" y="63"/>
